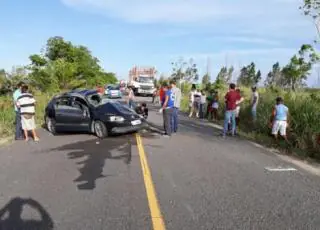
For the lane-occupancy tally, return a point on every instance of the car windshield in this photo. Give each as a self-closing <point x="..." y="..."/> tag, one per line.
<point x="145" y="79"/>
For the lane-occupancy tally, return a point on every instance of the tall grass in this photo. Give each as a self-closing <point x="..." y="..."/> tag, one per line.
<point x="304" y="108"/>
<point x="7" y="113"/>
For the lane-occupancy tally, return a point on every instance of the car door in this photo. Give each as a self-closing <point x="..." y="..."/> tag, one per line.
<point x="80" y="113"/>
<point x="62" y="113"/>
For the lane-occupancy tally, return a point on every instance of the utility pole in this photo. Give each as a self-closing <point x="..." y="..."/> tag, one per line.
<point x="209" y="67"/>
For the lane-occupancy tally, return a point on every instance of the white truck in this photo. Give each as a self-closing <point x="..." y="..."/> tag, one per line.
<point x="142" y="80"/>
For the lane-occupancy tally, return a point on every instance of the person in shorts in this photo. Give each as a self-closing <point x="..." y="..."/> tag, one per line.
<point x="26" y="103"/>
<point x="279" y="119"/>
<point x="197" y="102"/>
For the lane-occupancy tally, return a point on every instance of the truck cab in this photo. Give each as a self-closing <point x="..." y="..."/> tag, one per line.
<point x="143" y="85"/>
<point x="141" y="79"/>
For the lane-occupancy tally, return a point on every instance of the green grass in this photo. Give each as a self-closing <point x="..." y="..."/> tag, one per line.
<point x="304" y="107"/>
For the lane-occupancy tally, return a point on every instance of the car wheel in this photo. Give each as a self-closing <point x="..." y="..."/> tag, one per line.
<point x="51" y="125"/>
<point x="100" y="129"/>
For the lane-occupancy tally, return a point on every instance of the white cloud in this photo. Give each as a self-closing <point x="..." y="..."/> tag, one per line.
<point x="187" y="11"/>
<point x="157" y="11"/>
<point x="226" y="24"/>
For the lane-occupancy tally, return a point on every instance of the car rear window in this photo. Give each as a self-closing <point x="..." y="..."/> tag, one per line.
<point x="114" y="88"/>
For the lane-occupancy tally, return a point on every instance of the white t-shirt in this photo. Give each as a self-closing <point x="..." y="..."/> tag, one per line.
<point x="27" y="103"/>
<point x="197" y="97"/>
<point x="255" y="94"/>
<point x="203" y="99"/>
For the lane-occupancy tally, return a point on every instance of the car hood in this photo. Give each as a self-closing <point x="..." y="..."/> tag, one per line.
<point x="114" y="108"/>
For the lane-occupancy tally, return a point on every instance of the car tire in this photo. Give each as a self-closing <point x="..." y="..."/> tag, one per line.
<point x="51" y="125"/>
<point x="100" y="129"/>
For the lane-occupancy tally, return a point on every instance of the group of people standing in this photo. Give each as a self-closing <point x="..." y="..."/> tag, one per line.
<point x="197" y="104"/>
<point x="279" y="120"/>
<point x="24" y="106"/>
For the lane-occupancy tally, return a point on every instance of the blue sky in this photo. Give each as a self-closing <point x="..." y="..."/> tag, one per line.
<point x="122" y="33"/>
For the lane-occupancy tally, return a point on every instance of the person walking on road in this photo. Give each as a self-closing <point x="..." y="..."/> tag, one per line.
<point x="130" y="98"/>
<point x="26" y="103"/>
<point x="196" y="103"/>
<point x="16" y="95"/>
<point x="232" y="98"/>
<point x="177" y="100"/>
<point x="254" y="103"/>
<point x="167" y="110"/>
<point x="279" y="119"/>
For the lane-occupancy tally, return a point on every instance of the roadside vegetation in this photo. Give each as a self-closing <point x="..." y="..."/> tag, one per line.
<point x="287" y="81"/>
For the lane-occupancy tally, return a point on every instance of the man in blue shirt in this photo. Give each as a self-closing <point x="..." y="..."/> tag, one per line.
<point x="280" y="119"/>
<point x="168" y="108"/>
<point x="16" y="95"/>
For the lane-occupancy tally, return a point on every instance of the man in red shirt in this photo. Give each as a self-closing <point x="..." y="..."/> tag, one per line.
<point x="162" y="94"/>
<point x="232" y="99"/>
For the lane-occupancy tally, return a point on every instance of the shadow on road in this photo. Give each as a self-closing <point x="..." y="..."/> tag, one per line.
<point x="10" y="216"/>
<point x="96" y="152"/>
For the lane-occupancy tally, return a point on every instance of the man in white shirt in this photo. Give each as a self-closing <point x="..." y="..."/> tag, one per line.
<point x="202" y="104"/>
<point x="26" y="103"/>
<point x="254" y="103"/>
<point x="177" y="100"/>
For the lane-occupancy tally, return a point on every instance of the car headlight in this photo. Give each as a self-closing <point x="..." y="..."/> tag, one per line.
<point x="116" y="119"/>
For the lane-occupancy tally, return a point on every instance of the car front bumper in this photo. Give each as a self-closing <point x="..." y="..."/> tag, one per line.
<point x="129" y="129"/>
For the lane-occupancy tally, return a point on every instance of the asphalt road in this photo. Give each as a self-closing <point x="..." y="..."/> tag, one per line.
<point x="201" y="181"/>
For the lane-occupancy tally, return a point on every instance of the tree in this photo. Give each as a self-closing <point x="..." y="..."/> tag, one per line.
<point x="312" y="8"/>
<point x="191" y="73"/>
<point x="275" y="77"/>
<point x="299" y="67"/>
<point x="178" y="70"/>
<point x="183" y="71"/>
<point x="205" y="79"/>
<point x="257" y="78"/>
<point x="225" y="75"/>
<point x="162" y="79"/>
<point x="249" y="76"/>
<point x="66" y="66"/>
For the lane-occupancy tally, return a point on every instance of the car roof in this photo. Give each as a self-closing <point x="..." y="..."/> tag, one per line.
<point x="78" y="93"/>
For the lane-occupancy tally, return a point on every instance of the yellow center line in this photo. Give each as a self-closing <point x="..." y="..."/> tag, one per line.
<point x="156" y="216"/>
